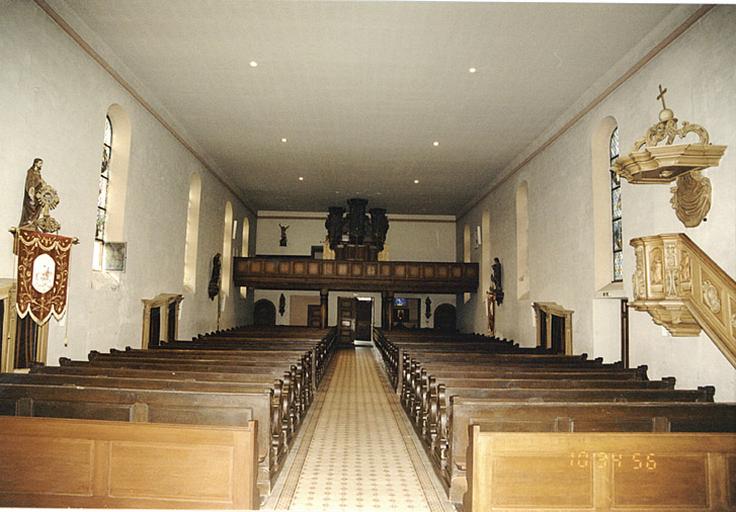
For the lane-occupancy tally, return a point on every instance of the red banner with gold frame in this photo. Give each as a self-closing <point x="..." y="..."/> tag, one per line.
<point x="43" y="274"/>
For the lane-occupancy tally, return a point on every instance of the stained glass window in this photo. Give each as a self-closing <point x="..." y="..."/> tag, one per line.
<point x="616" y="211"/>
<point x="104" y="182"/>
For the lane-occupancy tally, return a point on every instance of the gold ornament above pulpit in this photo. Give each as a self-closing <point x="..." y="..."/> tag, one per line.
<point x="649" y="162"/>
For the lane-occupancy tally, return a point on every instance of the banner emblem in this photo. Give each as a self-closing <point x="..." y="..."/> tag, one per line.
<point x="43" y="274"/>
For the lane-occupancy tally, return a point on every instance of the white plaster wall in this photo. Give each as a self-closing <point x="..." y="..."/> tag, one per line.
<point x="699" y="71"/>
<point x="409" y="238"/>
<point x="53" y="99"/>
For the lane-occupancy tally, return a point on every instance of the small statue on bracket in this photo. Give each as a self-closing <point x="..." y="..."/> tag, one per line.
<point x="496" y="281"/>
<point x="283" y="241"/>
<point x="39" y="198"/>
<point x="494" y="295"/>
<point x="213" y="289"/>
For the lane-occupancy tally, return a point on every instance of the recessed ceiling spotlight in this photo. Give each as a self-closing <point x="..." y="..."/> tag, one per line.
<point x="301" y="178"/>
<point x="472" y="70"/>
<point x="283" y="139"/>
<point x="253" y="64"/>
<point x="416" y="182"/>
<point x="436" y="143"/>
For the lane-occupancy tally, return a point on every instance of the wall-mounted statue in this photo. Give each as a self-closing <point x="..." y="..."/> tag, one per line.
<point x="213" y="289"/>
<point x="283" y="242"/>
<point x="39" y="198"/>
<point x="282" y="305"/>
<point x="497" y="281"/>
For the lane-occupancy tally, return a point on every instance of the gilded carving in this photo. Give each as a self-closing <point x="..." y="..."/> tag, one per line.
<point x="691" y="198"/>
<point x="684" y="270"/>
<point x="711" y="297"/>
<point x="670" y="270"/>
<point x="639" y="278"/>
<point x="648" y="162"/>
<point x="699" y="295"/>
<point x="655" y="266"/>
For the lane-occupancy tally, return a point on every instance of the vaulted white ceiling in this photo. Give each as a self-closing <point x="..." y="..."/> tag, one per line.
<point x="361" y="90"/>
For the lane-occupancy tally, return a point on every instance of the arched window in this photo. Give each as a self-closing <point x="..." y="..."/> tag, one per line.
<point x="522" y="240"/>
<point x="112" y="184"/>
<point x="485" y="251"/>
<point x="244" y="251"/>
<point x="227" y="249"/>
<point x="102" y="191"/>
<point x="191" y="240"/>
<point x="466" y="255"/>
<point x="616" y="221"/>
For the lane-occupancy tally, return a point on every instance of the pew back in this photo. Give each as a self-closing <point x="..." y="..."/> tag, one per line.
<point x="608" y="471"/>
<point x="97" y="464"/>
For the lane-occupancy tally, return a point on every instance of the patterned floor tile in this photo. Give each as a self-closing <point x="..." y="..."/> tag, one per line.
<point x="357" y="451"/>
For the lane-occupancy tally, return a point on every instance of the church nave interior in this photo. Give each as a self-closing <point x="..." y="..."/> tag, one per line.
<point x="368" y="255"/>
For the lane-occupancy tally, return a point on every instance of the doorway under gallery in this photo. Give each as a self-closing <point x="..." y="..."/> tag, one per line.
<point x="354" y="320"/>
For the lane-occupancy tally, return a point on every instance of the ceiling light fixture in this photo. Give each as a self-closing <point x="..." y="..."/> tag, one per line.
<point x="253" y="64"/>
<point x="416" y="182"/>
<point x="436" y="143"/>
<point x="283" y="139"/>
<point x="301" y="178"/>
<point x="472" y="70"/>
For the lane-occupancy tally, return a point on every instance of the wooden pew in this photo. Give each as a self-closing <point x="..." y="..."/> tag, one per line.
<point x="611" y="471"/>
<point x="297" y="376"/>
<point x="101" y="464"/>
<point x="449" y="450"/>
<point x="156" y="406"/>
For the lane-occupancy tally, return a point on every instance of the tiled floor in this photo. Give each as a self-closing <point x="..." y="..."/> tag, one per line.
<point x="357" y="450"/>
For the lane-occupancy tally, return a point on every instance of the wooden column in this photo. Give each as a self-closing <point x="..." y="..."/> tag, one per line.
<point x="323" y="296"/>
<point x="387" y="305"/>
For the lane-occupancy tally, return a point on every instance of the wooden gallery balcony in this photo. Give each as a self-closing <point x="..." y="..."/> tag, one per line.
<point x="298" y="273"/>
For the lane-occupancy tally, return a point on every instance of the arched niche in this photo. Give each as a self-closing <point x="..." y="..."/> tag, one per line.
<point x="485" y="251"/>
<point x="191" y="241"/>
<point x="445" y="318"/>
<point x="227" y="249"/>
<point x="466" y="255"/>
<point x="244" y="250"/>
<point x="522" y="240"/>
<point x="264" y="313"/>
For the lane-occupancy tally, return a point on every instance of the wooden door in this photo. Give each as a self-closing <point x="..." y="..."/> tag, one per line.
<point x="154" y="328"/>
<point x="346" y="320"/>
<point x="314" y="315"/>
<point x="363" y="320"/>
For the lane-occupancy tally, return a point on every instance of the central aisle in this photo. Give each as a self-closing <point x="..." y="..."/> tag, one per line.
<point x="358" y="450"/>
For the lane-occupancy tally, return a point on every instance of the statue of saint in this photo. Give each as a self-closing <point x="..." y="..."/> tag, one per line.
<point x="283" y="241"/>
<point x="39" y="198"/>
<point x="31" y="206"/>
<point x="497" y="281"/>
<point x="213" y="289"/>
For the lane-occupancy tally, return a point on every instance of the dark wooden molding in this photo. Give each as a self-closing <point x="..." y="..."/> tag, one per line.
<point x="398" y="276"/>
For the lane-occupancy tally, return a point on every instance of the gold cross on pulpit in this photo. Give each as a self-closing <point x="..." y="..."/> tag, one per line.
<point x="661" y="96"/>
